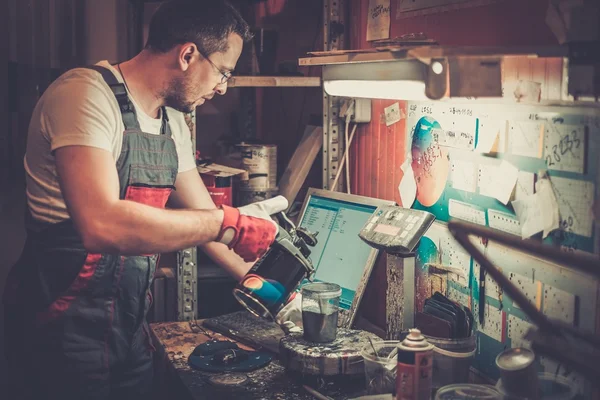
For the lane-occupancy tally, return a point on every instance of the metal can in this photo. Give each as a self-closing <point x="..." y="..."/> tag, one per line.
<point x="261" y="163"/>
<point x="415" y="367"/>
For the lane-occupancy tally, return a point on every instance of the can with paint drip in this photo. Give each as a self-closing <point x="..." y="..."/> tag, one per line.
<point x="415" y="367"/>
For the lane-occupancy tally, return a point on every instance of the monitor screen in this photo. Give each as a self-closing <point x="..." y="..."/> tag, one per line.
<point x="340" y="256"/>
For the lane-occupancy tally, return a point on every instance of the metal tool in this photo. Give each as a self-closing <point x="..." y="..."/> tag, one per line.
<point x="570" y="346"/>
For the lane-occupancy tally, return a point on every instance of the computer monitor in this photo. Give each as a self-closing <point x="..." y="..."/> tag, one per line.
<point x="340" y="256"/>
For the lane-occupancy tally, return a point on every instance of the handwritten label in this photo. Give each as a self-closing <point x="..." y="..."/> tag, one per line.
<point x="392" y="114"/>
<point x="575" y="199"/>
<point x="378" y="22"/>
<point x="456" y="139"/>
<point x="525" y="138"/>
<point x="565" y="147"/>
<point x="428" y="157"/>
<point x="457" y="123"/>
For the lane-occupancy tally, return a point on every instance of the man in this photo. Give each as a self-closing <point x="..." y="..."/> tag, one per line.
<point x="107" y="147"/>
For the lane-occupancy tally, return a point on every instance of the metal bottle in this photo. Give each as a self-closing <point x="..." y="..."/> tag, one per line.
<point x="415" y="367"/>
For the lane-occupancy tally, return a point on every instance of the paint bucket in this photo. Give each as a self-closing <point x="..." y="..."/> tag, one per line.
<point x="248" y="196"/>
<point x="452" y="359"/>
<point x="518" y="372"/>
<point x="261" y="163"/>
<point x="219" y="189"/>
<point x="464" y="391"/>
<point x="550" y="387"/>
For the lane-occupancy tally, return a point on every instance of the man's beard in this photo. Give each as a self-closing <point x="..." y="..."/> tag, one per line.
<point x="175" y="96"/>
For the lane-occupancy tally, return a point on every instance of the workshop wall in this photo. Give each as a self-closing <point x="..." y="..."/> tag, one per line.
<point x="379" y="151"/>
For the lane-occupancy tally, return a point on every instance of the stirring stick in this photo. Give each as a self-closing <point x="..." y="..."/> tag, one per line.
<point x="373" y="346"/>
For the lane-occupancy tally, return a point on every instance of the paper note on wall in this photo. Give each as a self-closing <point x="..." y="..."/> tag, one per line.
<point x="575" y="199"/>
<point x="463" y="175"/>
<point x="549" y="205"/>
<point x="565" y="147"/>
<point x="378" y="20"/>
<point x="525" y="138"/>
<point x="392" y="114"/>
<point x="407" y="187"/>
<point x="529" y="213"/>
<point x="455" y="122"/>
<point x="525" y="185"/>
<point x="465" y="211"/>
<point x="497" y="181"/>
<point x="456" y="139"/>
<point x="490" y="135"/>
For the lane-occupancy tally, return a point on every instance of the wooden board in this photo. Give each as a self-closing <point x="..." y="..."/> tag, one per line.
<point x="175" y="341"/>
<point x="301" y="162"/>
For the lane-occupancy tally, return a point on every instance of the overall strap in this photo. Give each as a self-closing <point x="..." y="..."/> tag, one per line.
<point x="165" y="129"/>
<point x="128" y="112"/>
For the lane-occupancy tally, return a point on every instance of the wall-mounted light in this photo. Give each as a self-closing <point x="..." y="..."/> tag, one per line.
<point x="409" y="79"/>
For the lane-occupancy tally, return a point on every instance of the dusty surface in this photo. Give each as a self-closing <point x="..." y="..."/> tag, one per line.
<point x="175" y="341"/>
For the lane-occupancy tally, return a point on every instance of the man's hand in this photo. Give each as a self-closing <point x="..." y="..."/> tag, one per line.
<point x="249" y="230"/>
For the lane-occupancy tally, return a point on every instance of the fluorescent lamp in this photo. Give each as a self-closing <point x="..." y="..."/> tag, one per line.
<point x="398" y="79"/>
<point x="400" y="90"/>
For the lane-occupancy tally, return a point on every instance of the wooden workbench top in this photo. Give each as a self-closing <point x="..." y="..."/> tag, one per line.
<point x="174" y="343"/>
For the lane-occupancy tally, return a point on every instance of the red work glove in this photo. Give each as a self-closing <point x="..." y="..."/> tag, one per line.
<point x="249" y="230"/>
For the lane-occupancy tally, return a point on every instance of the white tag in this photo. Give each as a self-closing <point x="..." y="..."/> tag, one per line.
<point x="392" y="114"/>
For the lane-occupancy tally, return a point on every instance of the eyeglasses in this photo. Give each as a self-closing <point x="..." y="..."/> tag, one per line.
<point x="225" y="75"/>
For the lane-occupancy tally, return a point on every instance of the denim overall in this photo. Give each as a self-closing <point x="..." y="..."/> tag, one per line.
<point x="77" y="319"/>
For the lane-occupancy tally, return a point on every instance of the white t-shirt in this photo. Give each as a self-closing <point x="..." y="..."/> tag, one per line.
<point x="80" y="109"/>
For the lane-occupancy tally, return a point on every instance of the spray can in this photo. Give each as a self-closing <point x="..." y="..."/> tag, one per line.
<point x="415" y="367"/>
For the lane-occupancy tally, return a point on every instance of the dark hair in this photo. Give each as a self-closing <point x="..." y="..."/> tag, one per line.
<point x="207" y="23"/>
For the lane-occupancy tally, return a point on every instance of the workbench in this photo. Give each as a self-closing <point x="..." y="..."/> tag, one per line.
<point x="175" y="341"/>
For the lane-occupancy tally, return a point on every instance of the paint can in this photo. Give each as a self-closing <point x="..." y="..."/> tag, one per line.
<point x="272" y="280"/>
<point x="261" y="163"/>
<point x="518" y="372"/>
<point x="219" y="188"/>
<point x="415" y="367"/>
<point x="248" y="195"/>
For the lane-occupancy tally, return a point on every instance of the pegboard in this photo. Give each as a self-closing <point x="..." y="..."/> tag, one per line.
<point x="528" y="286"/>
<point x="472" y="182"/>
<point x="492" y="289"/>
<point x="517" y="328"/>
<point x="559" y="305"/>
<point x="559" y="292"/>
<point x="494" y="321"/>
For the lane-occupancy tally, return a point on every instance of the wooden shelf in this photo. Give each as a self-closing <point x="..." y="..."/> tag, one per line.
<point x="426" y="53"/>
<point x="274" y="81"/>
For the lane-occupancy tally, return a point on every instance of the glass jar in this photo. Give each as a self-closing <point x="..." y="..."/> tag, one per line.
<point x="320" y="306"/>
